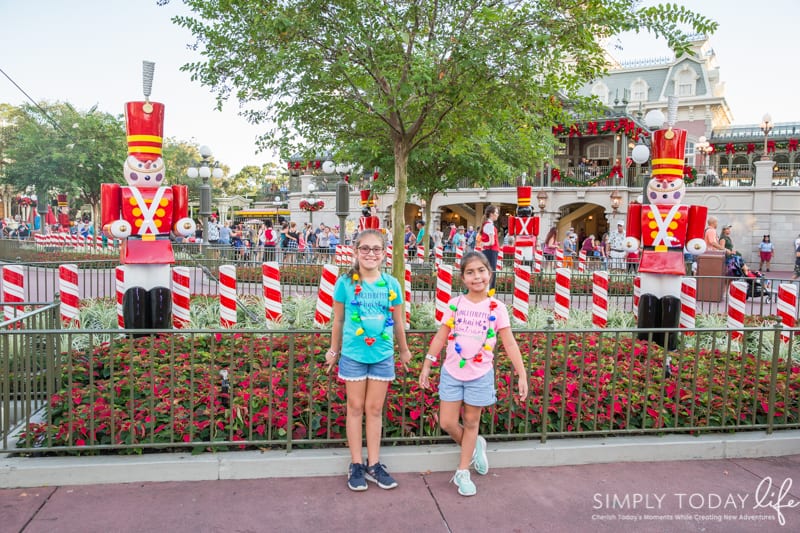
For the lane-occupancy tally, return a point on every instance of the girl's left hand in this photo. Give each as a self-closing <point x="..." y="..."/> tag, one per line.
<point x="522" y="387"/>
<point x="405" y="357"/>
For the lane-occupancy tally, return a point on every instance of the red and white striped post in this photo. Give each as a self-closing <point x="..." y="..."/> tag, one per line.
<point x="737" y="295"/>
<point x="420" y="253"/>
<point x="407" y="289"/>
<point x="637" y="293"/>
<point x="459" y="255"/>
<point x="600" y="298"/>
<point x="438" y="254"/>
<point x="181" y="296"/>
<point x="500" y="259"/>
<point x="119" y="286"/>
<point x="389" y="250"/>
<point x="324" y="311"/>
<point x="70" y="294"/>
<point x="349" y="255"/>
<point x="538" y="258"/>
<point x="518" y="257"/>
<point x="338" y="255"/>
<point x="787" y="308"/>
<point x="522" y="293"/>
<point x="562" y="297"/>
<point x="581" y="262"/>
<point x="444" y="290"/>
<point x="271" y="279"/>
<point x="13" y="290"/>
<point x="559" y="258"/>
<point x="688" y="304"/>
<point x="227" y="296"/>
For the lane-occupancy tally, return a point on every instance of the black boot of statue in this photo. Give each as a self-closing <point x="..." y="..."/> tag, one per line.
<point x="671" y="318"/>
<point x="160" y="302"/>
<point x="135" y="309"/>
<point x="649" y="318"/>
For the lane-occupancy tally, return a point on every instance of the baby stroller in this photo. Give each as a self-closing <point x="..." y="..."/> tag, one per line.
<point x="756" y="285"/>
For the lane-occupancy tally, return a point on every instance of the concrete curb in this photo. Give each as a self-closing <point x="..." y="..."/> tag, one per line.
<point x="18" y="472"/>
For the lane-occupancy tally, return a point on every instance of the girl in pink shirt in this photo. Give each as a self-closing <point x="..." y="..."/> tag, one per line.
<point x="470" y="331"/>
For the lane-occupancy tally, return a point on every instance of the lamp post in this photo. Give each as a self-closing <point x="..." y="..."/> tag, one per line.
<point x="342" y="205"/>
<point x="654" y="119"/>
<point x="616" y="200"/>
<point x="705" y="148"/>
<point x="312" y="200"/>
<point x="205" y="171"/>
<point x="766" y="127"/>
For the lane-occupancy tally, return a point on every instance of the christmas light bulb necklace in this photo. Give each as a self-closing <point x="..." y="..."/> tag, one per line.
<point x="355" y="316"/>
<point x="490" y="333"/>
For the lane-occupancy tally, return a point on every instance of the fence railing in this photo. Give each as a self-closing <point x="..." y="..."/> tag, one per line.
<point x="80" y="390"/>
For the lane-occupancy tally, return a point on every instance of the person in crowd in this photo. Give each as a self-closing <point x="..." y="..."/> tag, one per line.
<point x="616" y="245"/>
<point x="225" y="234"/>
<point x="710" y="235"/>
<point x="470" y="235"/>
<point x="569" y="248"/>
<point x="333" y="240"/>
<point x="551" y="244"/>
<point x="472" y="325"/>
<point x="726" y="240"/>
<point x="368" y="319"/>
<point x="488" y="241"/>
<point x="459" y="239"/>
<point x="420" y="224"/>
<point x="796" y="273"/>
<point x="323" y="243"/>
<point x="765" y="250"/>
<point x="292" y="242"/>
<point x="270" y="239"/>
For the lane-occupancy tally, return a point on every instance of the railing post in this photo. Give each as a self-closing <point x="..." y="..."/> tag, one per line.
<point x="773" y="374"/>
<point x="548" y="350"/>
<point x="290" y="385"/>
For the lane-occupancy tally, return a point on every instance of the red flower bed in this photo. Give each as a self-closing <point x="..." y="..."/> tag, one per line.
<point x="169" y="391"/>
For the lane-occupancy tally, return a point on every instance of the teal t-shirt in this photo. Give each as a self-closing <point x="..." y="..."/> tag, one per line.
<point x="373" y="308"/>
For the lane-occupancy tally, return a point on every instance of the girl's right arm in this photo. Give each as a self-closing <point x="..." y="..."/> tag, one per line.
<point x="439" y="341"/>
<point x="336" y="336"/>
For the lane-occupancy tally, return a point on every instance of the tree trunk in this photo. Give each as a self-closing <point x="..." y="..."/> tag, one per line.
<point x="401" y="149"/>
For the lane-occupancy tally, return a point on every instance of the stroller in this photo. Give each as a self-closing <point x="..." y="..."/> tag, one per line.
<point x="756" y="285"/>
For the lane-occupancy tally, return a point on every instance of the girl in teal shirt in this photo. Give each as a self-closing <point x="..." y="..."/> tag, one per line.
<point x="368" y="317"/>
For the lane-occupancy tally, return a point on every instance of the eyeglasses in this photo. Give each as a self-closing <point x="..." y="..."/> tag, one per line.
<point x="365" y="250"/>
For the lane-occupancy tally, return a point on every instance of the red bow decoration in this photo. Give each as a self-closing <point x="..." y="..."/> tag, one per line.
<point x="290" y="165"/>
<point x="375" y="176"/>
<point x="730" y="149"/>
<point x="792" y="145"/>
<point x="628" y="162"/>
<point x="574" y="130"/>
<point x="610" y="125"/>
<point x="770" y="147"/>
<point x="558" y="129"/>
<point x="630" y="127"/>
<point x="347" y="178"/>
<point x="751" y="148"/>
<point x="317" y="164"/>
<point x="556" y="175"/>
<point x="297" y="164"/>
<point x="591" y="128"/>
<point x="616" y="171"/>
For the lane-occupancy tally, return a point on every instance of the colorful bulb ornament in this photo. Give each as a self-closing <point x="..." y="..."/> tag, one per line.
<point x="355" y="316"/>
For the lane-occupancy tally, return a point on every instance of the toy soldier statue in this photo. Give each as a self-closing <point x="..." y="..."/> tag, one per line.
<point x="524" y="227"/>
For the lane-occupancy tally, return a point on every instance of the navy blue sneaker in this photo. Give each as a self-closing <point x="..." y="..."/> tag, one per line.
<point x="377" y="474"/>
<point x="355" y="477"/>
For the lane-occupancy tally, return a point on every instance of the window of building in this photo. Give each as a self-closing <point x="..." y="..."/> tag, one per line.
<point x="685" y="82"/>
<point x="639" y="91"/>
<point x="598" y="151"/>
<point x="600" y="90"/>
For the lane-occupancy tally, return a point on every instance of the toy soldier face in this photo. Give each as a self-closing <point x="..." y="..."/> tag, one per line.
<point x="140" y="173"/>
<point x="666" y="191"/>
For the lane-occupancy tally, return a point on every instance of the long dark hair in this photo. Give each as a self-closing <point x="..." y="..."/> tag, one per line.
<point x="356" y="269"/>
<point x="551" y="235"/>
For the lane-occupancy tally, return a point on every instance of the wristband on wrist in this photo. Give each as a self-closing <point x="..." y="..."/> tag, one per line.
<point x="333" y="353"/>
<point x="432" y="358"/>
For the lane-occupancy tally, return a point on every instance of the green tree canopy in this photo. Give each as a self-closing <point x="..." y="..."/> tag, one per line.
<point x="316" y="68"/>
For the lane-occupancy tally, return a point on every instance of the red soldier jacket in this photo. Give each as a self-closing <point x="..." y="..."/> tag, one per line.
<point x="663" y="231"/>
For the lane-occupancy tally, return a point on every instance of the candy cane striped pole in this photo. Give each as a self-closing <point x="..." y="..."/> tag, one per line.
<point x="119" y="285"/>
<point x="787" y="308"/>
<point x="688" y="304"/>
<point x="637" y="293"/>
<point x="271" y="279"/>
<point x="522" y="293"/>
<point x="420" y="253"/>
<point x="349" y="255"/>
<point x="227" y="296"/>
<point x="600" y="298"/>
<point x="444" y="290"/>
<point x="562" y="297"/>
<point x="518" y="257"/>
<point x="337" y="255"/>
<point x="389" y="250"/>
<point x="459" y="255"/>
<point x="407" y="288"/>
<point x="737" y="295"/>
<point x="538" y="257"/>
<point x="581" y="262"/>
<point x="324" y="311"/>
<point x="70" y="296"/>
<point x="559" y="258"/>
<point x="438" y="254"/>
<point x="180" y="297"/>
<point x="13" y="290"/>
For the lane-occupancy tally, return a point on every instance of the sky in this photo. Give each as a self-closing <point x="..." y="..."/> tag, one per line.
<point x="90" y="52"/>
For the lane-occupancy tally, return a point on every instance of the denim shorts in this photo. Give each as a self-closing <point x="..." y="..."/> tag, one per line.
<point x="352" y="370"/>
<point x="477" y="392"/>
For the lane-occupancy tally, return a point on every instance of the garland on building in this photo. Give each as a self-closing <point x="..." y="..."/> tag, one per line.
<point x="305" y="205"/>
<point x="609" y="127"/>
<point x="748" y="148"/>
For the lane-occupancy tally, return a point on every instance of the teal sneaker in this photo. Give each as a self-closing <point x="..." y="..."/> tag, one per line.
<point x="479" y="459"/>
<point x="465" y="485"/>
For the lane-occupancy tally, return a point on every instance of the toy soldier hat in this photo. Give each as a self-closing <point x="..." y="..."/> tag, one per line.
<point x="366" y="201"/>
<point x="144" y="122"/>
<point x="524" y="196"/>
<point x="668" y="149"/>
